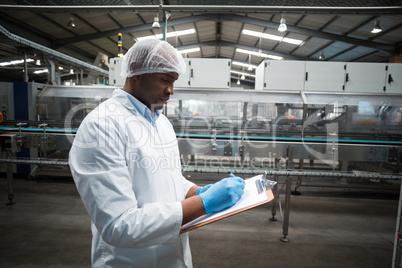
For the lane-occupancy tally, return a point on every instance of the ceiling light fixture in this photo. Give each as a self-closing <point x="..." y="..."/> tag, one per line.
<point x="156" y="24"/>
<point x="170" y="34"/>
<point x="282" y="26"/>
<point x="71" y="71"/>
<point x="258" y="54"/>
<point x="186" y="51"/>
<point x="321" y="57"/>
<point x="250" y="67"/>
<point x="37" y="62"/>
<point x="41" y="71"/>
<point x="377" y="28"/>
<point x="273" y="37"/>
<point x="242" y="74"/>
<point x="238" y="82"/>
<point x="14" y="62"/>
<point x="71" y="23"/>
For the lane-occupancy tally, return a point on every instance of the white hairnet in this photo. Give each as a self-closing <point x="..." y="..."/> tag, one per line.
<point x="152" y="56"/>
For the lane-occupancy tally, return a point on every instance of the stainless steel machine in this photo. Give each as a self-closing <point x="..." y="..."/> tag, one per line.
<point x="293" y="135"/>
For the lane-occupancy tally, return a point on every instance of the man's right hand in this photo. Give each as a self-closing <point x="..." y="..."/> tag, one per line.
<point x="223" y="194"/>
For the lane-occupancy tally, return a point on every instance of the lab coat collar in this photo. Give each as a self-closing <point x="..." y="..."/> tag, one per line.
<point x="131" y="103"/>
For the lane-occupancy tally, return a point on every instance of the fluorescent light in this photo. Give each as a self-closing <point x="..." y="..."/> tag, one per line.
<point x="184" y="51"/>
<point x="14" y="62"/>
<point x="238" y="63"/>
<point x="169" y="34"/>
<point x="258" y="54"/>
<point x="41" y="71"/>
<point x="263" y="35"/>
<point x="292" y="41"/>
<point x="273" y="37"/>
<point x="242" y="74"/>
<point x="180" y="33"/>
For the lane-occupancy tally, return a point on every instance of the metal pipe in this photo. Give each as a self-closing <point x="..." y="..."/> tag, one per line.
<point x="295" y="173"/>
<point x="37" y="162"/>
<point x="25" y="66"/>
<point x="396" y="257"/>
<point x="51" y="52"/>
<point x="52" y="73"/>
<point x="208" y="8"/>
<point x="251" y="172"/>
<point x="285" y="226"/>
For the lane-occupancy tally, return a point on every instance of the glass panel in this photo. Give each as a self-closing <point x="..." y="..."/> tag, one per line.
<point x="269" y="113"/>
<point x="56" y="103"/>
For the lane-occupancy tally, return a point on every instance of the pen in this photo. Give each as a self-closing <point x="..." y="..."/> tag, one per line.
<point x="231" y="174"/>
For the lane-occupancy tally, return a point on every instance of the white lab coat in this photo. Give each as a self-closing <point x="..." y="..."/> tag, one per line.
<point x="128" y="175"/>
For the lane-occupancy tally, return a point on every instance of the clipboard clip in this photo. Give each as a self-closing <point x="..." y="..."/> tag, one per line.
<point x="264" y="184"/>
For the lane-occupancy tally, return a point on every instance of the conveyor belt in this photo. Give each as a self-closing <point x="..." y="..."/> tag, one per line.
<point x="233" y="137"/>
<point x="237" y="171"/>
<point x="266" y="138"/>
<point x="48" y="130"/>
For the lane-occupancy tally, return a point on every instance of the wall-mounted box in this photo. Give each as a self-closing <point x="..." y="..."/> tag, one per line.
<point x="324" y="76"/>
<point x="184" y="79"/>
<point x="280" y="75"/>
<point x="114" y="72"/>
<point x="393" y="79"/>
<point x="365" y="77"/>
<point x="206" y="73"/>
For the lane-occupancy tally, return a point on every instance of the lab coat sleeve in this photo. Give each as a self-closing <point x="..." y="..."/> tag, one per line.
<point x="101" y="175"/>
<point x="187" y="185"/>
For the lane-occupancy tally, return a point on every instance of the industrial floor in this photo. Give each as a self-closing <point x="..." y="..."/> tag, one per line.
<point x="48" y="227"/>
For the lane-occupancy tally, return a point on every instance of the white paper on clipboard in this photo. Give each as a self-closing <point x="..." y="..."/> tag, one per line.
<point x="249" y="198"/>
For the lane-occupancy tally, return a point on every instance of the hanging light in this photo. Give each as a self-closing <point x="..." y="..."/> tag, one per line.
<point x="249" y="68"/>
<point x="321" y="57"/>
<point x="37" y="62"/>
<point x="238" y="82"/>
<point x="377" y="28"/>
<point x="282" y="26"/>
<point x="71" y="71"/>
<point x="71" y="23"/>
<point x="156" y="22"/>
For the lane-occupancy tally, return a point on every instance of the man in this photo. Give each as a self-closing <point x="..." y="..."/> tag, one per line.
<point x="126" y="165"/>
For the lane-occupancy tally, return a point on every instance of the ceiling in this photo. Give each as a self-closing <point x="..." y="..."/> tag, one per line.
<point x="338" y="30"/>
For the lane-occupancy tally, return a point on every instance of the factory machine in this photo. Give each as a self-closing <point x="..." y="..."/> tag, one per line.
<point x="237" y="129"/>
<point x="354" y="137"/>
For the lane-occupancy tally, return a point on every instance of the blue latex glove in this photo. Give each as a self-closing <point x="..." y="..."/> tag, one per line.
<point x="203" y="189"/>
<point x="223" y="194"/>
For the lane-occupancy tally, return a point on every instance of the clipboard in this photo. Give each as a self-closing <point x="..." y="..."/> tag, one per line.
<point x="258" y="191"/>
